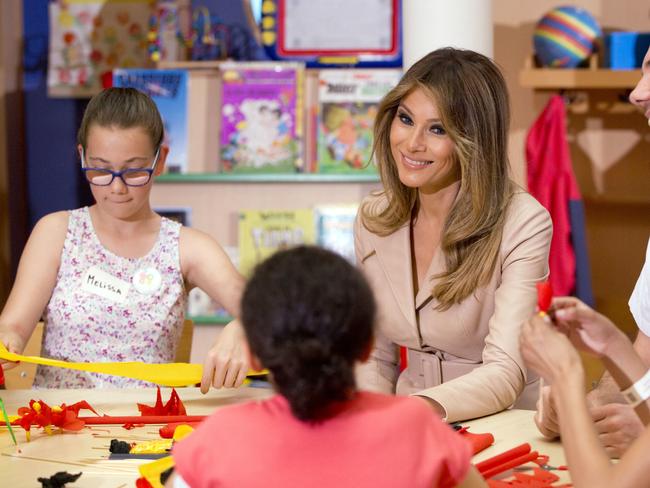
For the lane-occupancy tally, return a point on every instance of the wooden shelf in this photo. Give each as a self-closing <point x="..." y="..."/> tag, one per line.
<point x="189" y="64"/>
<point x="578" y="79"/>
<point x="266" y="178"/>
<point x="209" y="319"/>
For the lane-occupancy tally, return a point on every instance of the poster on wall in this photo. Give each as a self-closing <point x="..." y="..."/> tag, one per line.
<point x="89" y="38"/>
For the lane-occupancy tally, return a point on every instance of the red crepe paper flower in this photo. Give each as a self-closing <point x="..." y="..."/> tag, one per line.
<point x="142" y="483"/>
<point x="174" y="406"/>
<point x="544" y="296"/>
<point x="42" y="415"/>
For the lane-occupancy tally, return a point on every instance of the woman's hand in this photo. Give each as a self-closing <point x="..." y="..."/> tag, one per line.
<point x="226" y="364"/>
<point x="546" y="418"/>
<point x="548" y="351"/>
<point x="588" y="330"/>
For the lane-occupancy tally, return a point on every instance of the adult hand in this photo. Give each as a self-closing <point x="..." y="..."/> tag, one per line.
<point x="546" y="418"/>
<point x="14" y="343"/>
<point x="549" y="352"/>
<point x="588" y="330"/>
<point x="617" y="425"/>
<point x="226" y="364"/>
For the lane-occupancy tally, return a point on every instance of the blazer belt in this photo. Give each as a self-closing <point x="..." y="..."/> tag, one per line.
<point x="427" y="369"/>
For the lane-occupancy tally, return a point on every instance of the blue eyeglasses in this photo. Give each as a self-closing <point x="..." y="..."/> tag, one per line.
<point x="130" y="176"/>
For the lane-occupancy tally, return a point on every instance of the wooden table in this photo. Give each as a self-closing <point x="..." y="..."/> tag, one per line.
<point x="512" y="428"/>
<point x="87" y="450"/>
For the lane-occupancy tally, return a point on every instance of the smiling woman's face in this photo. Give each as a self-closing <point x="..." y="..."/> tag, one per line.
<point x="421" y="147"/>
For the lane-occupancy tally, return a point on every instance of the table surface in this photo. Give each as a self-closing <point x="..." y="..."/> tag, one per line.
<point x="87" y="450"/>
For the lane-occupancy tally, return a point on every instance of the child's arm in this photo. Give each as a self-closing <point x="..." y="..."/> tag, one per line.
<point x="206" y="265"/>
<point x="35" y="280"/>
<point x="473" y="479"/>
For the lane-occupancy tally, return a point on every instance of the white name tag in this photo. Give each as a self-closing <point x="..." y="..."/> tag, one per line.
<point x="103" y="284"/>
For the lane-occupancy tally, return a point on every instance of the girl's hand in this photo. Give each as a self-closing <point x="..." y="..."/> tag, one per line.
<point x="588" y="330"/>
<point x="14" y="343"/>
<point x="548" y="351"/>
<point x="226" y="364"/>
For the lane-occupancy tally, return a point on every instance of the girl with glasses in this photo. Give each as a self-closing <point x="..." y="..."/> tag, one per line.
<point x="111" y="280"/>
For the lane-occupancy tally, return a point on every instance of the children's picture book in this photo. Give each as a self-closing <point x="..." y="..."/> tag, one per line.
<point x="335" y="228"/>
<point x="182" y="215"/>
<point x="261" y="117"/>
<point x="347" y="106"/>
<point x="168" y="89"/>
<point x="263" y="232"/>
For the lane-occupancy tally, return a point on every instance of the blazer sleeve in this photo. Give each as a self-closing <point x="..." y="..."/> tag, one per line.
<point x="497" y="382"/>
<point x="379" y="373"/>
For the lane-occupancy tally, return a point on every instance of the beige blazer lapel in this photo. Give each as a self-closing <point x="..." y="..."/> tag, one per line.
<point x="394" y="256"/>
<point x="436" y="266"/>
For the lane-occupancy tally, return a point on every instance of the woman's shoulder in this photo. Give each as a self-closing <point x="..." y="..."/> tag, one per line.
<point x="526" y="219"/>
<point x="374" y="203"/>
<point x="371" y="205"/>
<point x="523" y="208"/>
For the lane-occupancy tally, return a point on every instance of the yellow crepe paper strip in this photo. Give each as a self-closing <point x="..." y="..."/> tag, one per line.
<point x="165" y="374"/>
<point x="151" y="471"/>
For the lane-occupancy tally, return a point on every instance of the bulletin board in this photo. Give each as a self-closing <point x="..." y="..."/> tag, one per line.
<point x="331" y="33"/>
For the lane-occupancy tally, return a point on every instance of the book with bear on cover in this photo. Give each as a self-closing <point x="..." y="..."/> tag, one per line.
<point x="261" y="117"/>
<point x="347" y="106"/>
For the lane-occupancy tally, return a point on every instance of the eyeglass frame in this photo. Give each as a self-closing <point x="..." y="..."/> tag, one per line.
<point x="118" y="174"/>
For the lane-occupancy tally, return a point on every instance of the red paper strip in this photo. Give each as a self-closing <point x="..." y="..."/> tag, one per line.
<point x="544" y="296"/>
<point x="526" y="458"/>
<point x="167" y="432"/>
<point x="503" y="457"/>
<point x="154" y="419"/>
<point x="478" y="442"/>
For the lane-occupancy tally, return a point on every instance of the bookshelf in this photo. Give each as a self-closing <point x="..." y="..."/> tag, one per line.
<point x="216" y="199"/>
<point x="592" y="77"/>
<point x="267" y="178"/>
<point x="578" y="79"/>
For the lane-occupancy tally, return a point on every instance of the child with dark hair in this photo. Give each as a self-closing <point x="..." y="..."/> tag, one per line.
<point x="308" y="317"/>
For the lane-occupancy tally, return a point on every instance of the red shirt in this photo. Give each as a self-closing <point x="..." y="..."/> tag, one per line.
<point x="376" y="440"/>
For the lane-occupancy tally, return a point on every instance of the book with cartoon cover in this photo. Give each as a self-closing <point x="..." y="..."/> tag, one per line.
<point x="335" y="228"/>
<point x="261" y="117"/>
<point x="263" y="232"/>
<point x="347" y="106"/>
<point x="168" y="89"/>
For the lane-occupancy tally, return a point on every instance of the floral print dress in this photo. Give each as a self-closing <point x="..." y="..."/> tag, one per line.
<point x="109" y="308"/>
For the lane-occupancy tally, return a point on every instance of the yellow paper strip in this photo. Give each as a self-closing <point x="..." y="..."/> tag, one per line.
<point x="166" y="374"/>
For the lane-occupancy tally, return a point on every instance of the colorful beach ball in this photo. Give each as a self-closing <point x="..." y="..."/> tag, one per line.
<point x="565" y="37"/>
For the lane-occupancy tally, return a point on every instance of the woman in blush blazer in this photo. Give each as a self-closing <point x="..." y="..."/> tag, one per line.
<point x="451" y="246"/>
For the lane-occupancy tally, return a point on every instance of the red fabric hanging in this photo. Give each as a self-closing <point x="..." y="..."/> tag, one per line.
<point x="552" y="182"/>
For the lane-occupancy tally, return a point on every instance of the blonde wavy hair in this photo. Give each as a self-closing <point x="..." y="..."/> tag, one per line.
<point x="472" y="99"/>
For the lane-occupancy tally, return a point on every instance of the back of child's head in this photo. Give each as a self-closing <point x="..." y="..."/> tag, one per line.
<point x="123" y="108"/>
<point x="308" y="316"/>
